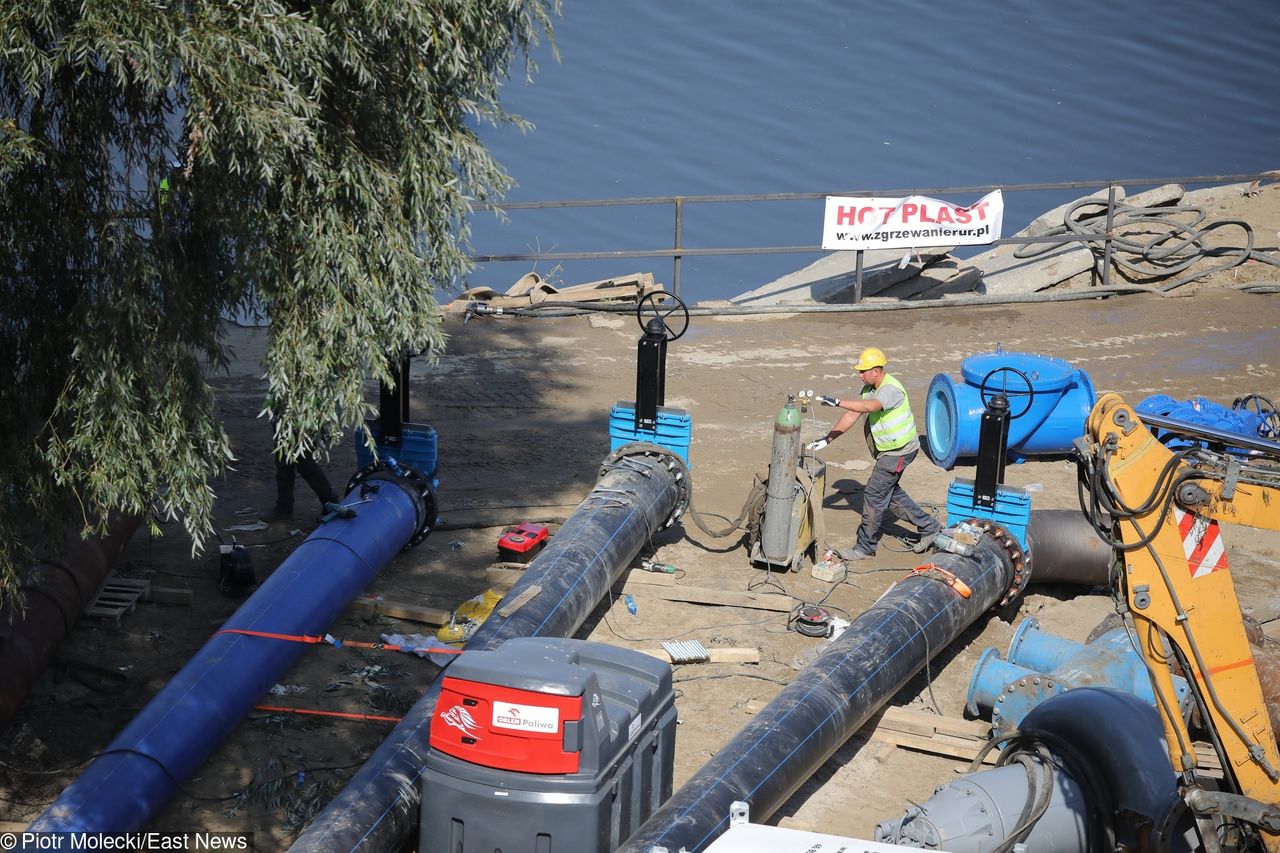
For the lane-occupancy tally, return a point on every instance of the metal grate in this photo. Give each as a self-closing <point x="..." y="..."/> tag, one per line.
<point x="686" y="651"/>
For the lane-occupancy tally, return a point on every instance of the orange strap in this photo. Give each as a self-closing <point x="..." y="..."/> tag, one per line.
<point x="293" y="638"/>
<point x="373" y="717"/>
<point x="933" y="570"/>
<point x="335" y="642"/>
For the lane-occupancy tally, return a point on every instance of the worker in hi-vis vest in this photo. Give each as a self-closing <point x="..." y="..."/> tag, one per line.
<point x="894" y="443"/>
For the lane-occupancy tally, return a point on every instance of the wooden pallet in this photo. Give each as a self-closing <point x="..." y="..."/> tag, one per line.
<point x="116" y="597"/>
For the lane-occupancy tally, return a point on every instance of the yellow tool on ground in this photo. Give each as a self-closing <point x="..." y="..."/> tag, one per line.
<point x="469" y="616"/>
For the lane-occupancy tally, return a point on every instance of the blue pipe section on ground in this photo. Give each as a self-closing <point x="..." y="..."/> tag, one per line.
<point x="990" y="675"/>
<point x="1060" y="399"/>
<point x="173" y="735"/>
<point x="1039" y="650"/>
<point x="1041" y="665"/>
<point x="634" y="498"/>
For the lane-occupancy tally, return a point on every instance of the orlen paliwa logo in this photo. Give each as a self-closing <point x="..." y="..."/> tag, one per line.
<point x="528" y="718"/>
<point x="509" y="718"/>
<point x="460" y="718"/>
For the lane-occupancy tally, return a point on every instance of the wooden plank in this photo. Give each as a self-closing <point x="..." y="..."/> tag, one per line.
<point x="637" y="278"/>
<point x="596" y="294"/>
<point x="172" y="595"/>
<point x="938" y="745"/>
<point x="525" y="596"/>
<point x="499" y="576"/>
<point x="631" y="287"/>
<point x="722" y="597"/>
<point x="1210" y="765"/>
<point x="378" y="605"/>
<point x="629" y="293"/>
<point x="923" y="722"/>
<point x="957" y="738"/>
<point x="729" y="655"/>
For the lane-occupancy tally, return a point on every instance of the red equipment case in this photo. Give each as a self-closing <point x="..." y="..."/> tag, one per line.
<point x="523" y="543"/>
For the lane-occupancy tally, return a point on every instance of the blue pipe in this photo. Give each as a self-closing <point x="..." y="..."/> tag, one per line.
<point x="1060" y="399"/>
<point x="990" y="675"/>
<point x="1039" y="650"/>
<point x="178" y="729"/>
<point x="1041" y="665"/>
<point x="1237" y="421"/>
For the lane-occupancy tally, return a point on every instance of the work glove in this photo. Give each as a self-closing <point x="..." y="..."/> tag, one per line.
<point x="828" y="401"/>
<point x="815" y="446"/>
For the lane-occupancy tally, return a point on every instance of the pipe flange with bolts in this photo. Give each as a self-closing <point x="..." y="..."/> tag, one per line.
<point x="679" y="470"/>
<point x="411" y="480"/>
<point x="1020" y="559"/>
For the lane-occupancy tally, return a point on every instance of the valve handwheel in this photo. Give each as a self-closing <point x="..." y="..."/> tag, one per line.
<point x="987" y="396"/>
<point x="649" y="309"/>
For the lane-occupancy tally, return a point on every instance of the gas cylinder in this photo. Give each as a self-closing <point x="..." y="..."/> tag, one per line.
<point x="775" y="532"/>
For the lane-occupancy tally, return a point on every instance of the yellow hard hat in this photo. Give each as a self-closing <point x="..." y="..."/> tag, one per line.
<point x="869" y="358"/>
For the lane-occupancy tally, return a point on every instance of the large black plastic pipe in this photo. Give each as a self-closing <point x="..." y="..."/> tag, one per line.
<point x="1066" y="549"/>
<point x="885" y="646"/>
<point x="634" y="498"/>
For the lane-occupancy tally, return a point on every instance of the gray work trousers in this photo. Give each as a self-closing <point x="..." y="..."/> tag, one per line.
<point x="884" y="490"/>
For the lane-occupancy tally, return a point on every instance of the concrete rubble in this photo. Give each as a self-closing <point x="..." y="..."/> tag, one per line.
<point x="1005" y="270"/>
<point x="832" y="278"/>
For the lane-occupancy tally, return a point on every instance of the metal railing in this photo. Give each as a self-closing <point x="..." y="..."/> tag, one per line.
<point x="678" y="250"/>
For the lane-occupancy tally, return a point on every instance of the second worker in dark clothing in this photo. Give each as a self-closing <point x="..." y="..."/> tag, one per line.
<point x="286" y="475"/>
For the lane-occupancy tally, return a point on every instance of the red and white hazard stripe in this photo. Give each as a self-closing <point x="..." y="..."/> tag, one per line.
<point x="1201" y="542"/>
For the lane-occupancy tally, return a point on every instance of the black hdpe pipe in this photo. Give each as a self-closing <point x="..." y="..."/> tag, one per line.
<point x="55" y="598"/>
<point x="1065" y="548"/>
<point x="642" y="489"/>
<point x="877" y="654"/>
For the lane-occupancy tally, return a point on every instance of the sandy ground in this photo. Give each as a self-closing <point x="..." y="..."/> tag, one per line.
<point x="522" y="407"/>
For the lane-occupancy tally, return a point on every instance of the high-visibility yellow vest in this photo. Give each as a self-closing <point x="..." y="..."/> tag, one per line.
<point x="891" y="428"/>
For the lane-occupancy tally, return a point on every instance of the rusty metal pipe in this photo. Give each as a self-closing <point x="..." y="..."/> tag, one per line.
<point x="55" y="597"/>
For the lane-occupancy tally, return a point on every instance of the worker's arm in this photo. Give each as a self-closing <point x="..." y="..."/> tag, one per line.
<point x="847" y="420"/>
<point x="857" y="407"/>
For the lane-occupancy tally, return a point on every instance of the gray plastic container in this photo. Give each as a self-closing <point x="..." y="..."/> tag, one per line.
<point x="624" y="742"/>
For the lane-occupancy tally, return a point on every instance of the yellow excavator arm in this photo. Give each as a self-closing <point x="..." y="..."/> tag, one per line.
<point x="1164" y="507"/>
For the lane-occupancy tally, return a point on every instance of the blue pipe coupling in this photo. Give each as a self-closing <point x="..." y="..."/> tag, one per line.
<point x="1040" y="665"/>
<point x="1048" y="399"/>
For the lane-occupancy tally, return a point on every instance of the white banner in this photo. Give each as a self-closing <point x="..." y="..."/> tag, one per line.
<point x="910" y="223"/>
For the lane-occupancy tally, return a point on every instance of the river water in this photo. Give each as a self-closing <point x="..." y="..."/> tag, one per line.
<point x="706" y="98"/>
